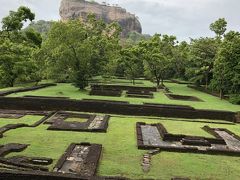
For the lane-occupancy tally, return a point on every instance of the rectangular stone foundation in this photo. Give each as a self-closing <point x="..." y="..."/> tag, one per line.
<point x="152" y="136"/>
<point x="93" y="123"/>
<point x="81" y="159"/>
<point x="182" y="98"/>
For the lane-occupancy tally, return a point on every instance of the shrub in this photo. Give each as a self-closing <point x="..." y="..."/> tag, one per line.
<point x="80" y="79"/>
<point x="235" y="99"/>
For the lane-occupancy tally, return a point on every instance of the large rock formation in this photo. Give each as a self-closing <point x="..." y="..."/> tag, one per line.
<point x="73" y="9"/>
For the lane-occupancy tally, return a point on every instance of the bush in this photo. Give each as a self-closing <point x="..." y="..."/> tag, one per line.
<point x="235" y="99"/>
<point x="80" y="79"/>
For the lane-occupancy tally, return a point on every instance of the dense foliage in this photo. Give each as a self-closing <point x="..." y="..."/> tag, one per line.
<point x="41" y="26"/>
<point x="74" y="51"/>
<point x="17" y="62"/>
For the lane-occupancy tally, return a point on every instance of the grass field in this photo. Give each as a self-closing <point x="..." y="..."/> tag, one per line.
<point x="209" y="101"/>
<point x="9" y="88"/>
<point x="120" y="154"/>
<point x="28" y="119"/>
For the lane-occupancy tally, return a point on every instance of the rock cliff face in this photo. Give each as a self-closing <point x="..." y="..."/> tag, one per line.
<point x="73" y="9"/>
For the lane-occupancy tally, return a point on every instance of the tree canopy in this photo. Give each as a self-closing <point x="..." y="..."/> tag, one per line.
<point x="16" y="48"/>
<point x="74" y="51"/>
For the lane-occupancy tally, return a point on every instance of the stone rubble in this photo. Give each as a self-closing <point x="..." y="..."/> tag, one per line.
<point x="75" y="162"/>
<point x="146" y="162"/>
<point x="96" y="123"/>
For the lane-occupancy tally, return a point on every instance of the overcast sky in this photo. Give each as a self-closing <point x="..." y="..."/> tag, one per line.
<point x="183" y="18"/>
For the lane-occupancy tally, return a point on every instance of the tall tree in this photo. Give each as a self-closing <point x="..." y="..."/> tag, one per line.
<point x="76" y="50"/>
<point x="158" y="55"/>
<point x="180" y="59"/>
<point x="132" y="62"/>
<point x="219" y="27"/>
<point x="202" y="56"/>
<point x="15" y="20"/>
<point x="41" y="26"/>
<point x="226" y="77"/>
<point x="16" y="48"/>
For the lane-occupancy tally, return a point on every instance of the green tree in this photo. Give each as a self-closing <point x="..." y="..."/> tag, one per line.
<point x="14" y="21"/>
<point x="133" y="38"/>
<point x="202" y="56"/>
<point x="16" y="49"/>
<point x="41" y="26"/>
<point x="219" y="27"/>
<point x="158" y="55"/>
<point x="180" y="59"/>
<point x="75" y="50"/>
<point x="132" y="63"/>
<point x="226" y="77"/>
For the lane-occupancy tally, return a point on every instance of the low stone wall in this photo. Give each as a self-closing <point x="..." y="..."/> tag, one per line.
<point x="114" y="93"/>
<point x="89" y="162"/>
<point x="182" y="98"/>
<point x="21" y="162"/>
<point x="178" y="137"/>
<point x="9" y="127"/>
<point x="22" y="103"/>
<point x="170" y="106"/>
<point x="39" y="175"/>
<point x="105" y="101"/>
<point x="93" y="123"/>
<point x="19" y="165"/>
<point x="13" y="147"/>
<point x="199" y="88"/>
<point x="184" y="143"/>
<point x="41" y="86"/>
<point x="122" y="88"/>
<point x="139" y="94"/>
<point x="47" y="97"/>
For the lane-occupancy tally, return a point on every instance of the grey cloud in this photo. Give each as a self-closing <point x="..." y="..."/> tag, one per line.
<point x="183" y="18"/>
<point x="44" y="9"/>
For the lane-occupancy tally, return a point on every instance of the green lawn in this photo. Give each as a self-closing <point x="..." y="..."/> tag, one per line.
<point x="28" y="119"/>
<point x="138" y="82"/>
<point x="23" y="85"/>
<point x="9" y="88"/>
<point x="76" y="120"/>
<point x="120" y="154"/>
<point x="209" y="101"/>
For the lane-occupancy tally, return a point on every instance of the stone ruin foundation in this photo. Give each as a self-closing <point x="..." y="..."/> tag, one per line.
<point x="93" y="123"/>
<point x="81" y="159"/>
<point x="152" y="136"/>
<point x="139" y="94"/>
<point x="17" y="114"/>
<point x="21" y="163"/>
<point x="182" y="97"/>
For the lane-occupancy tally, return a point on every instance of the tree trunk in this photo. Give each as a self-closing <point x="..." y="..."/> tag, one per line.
<point x="158" y="82"/>
<point x="11" y="83"/>
<point x="133" y="81"/>
<point x="206" y="82"/>
<point x="221" y="94"/>
<point x="162" y="82"/>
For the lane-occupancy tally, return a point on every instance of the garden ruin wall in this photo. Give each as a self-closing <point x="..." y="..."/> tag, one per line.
<point x="23" y="103"/>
